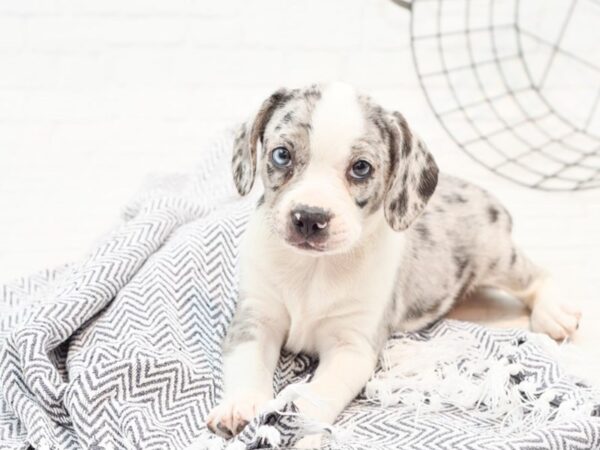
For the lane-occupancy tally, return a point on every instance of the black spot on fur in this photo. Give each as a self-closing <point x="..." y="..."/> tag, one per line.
<point x="261" y="201"/>
<point x="377" y="117"/>
<point x="454" y="198"/>
<point x="402" y="204"/>
<point x="238" y="173"/>
<point x="461" y="261"/>
<point x="289" y="143"/>
<point x="423" y="231"/>
<point x="307" y="126"/>
<point x="406" y="134"/>
<point x="361" y="203"/>
<point x="277" y="100"/>
<point x="513" y="257"/>
<point x="493" y="264"/>
<point x="493" y="214"/>
<point x="429" y="179"/>
<point x="393" y="155"/>
<point x="287" y="118"/>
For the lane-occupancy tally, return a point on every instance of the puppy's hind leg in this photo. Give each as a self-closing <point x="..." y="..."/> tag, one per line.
<point x="551" y="311"/>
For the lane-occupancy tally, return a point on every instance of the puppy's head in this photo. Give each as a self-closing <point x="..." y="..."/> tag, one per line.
<point x="333" y="164"/>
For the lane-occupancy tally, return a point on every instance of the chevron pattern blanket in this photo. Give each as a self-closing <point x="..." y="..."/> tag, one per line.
<point x="122" y="350"/>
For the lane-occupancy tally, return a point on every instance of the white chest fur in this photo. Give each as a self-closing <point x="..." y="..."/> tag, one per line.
<point x="321" y="298"/>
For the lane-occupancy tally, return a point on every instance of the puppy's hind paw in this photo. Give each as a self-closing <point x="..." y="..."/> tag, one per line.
<point x="553" y="316"/>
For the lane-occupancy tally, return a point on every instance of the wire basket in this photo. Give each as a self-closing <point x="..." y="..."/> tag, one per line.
<point x="516" y="84"/>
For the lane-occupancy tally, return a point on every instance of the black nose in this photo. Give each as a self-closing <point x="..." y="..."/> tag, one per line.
<point x="309" y="221"/>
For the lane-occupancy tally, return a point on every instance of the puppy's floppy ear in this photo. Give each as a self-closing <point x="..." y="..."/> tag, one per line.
<point x="246" y="140"/>
<point x="413" y="175"/>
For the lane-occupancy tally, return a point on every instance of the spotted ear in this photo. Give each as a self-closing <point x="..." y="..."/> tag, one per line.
<point x="246" y="140"/>
<point x="413" y="175"/>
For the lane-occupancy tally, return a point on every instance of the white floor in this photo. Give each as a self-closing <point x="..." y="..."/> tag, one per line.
<point x="96" y="95"/>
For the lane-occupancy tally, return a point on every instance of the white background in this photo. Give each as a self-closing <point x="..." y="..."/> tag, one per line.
<point x="95" y="95"/>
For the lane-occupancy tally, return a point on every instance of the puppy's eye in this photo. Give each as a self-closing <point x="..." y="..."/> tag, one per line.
<point x="281" y="157"/>
<point x="360" y="169"/>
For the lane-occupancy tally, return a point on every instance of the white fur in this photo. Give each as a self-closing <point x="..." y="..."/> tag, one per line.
<point x="333" y="303"/>
<point x="336" y="123"/>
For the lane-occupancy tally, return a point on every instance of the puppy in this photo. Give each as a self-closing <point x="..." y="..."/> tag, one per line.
<point x="355" y="237"/>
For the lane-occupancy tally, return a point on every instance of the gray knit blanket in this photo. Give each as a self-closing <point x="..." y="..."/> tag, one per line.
<point x="122" y="350"/>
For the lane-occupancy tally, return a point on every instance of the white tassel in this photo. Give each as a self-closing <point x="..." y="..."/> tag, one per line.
<point x="43" y="445"/>
<point x="568" y="355"/>
<point x="207" y="442"/>
<point x="269" y="434"/>
<point x="342" y="435"/>
<point x="452" y="371"/>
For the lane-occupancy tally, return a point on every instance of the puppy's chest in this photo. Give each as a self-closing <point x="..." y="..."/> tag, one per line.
<point x="322" y="303"/>
<point x="311" y="303"/>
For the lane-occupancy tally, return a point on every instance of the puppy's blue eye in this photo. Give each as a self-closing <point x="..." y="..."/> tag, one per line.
<point x="360" y="169"/>
<point x="281" y="157"/>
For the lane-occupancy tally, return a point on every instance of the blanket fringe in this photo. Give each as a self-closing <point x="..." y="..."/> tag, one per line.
<point x="448" y="371"/>
<point x="451" y="371"/>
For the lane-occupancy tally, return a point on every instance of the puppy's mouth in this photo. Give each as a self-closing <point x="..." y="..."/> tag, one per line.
<point x="307" y="245"/>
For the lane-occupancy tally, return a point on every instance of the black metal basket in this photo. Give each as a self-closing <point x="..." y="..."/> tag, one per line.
<point x="515" y="84"/>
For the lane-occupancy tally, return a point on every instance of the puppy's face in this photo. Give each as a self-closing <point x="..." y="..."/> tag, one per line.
<point x="332" y="164"/>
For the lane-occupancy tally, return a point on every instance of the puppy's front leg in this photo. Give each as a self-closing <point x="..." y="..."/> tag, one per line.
<point x="251" y="350"/>
<point x="343" y="371"/>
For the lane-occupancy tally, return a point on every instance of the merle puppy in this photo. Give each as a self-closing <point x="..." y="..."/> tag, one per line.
<point x="356" y="236"/>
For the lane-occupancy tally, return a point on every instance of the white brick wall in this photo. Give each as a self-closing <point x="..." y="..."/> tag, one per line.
<point x="94" y="94"/>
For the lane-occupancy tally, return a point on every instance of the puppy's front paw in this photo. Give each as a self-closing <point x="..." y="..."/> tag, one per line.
<point x="554" y="316"/>
<point x="231" y="416"/>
